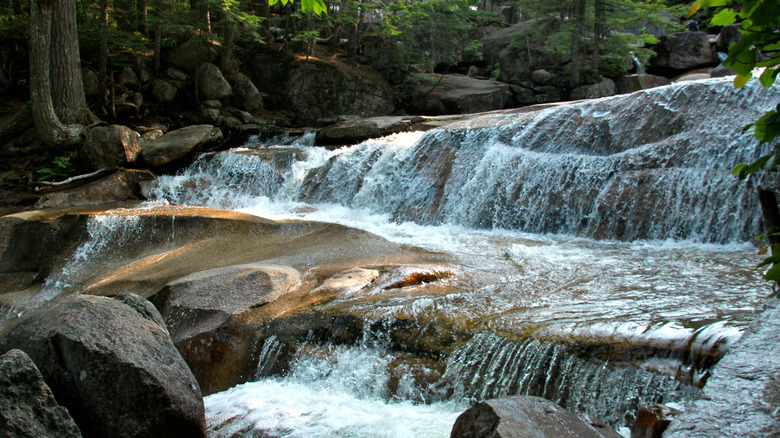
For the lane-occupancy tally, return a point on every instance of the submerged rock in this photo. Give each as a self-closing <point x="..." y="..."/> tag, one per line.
<point x="525" y="416"/>
<point x="27" y="406"/>
<point x="111" y="363"/>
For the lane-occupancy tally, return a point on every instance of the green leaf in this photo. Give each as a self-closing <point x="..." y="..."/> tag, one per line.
<point x="771" y="260"/>
<point x="724" y="17"/>
<point x="695" y="7"/>
<point x="741" y="80"/>
<point x="773" y="273"/>
<point x="768" y="77"/>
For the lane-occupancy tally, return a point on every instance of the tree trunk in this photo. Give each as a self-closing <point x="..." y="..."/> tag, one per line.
<point x="598" y="30"/>
<point x="103" y="55"/>
<point x="229" y="65"/>
<point x="576" y="38"/>
<point x="17" y="7"/>
<point x="67" y="90"/>
<point x="143" y="17"/>
<point x="158" y="6"/>
<point x="50" y="128"/>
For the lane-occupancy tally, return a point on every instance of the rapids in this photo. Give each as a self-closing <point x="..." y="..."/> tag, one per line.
<point x="592" y="225"/>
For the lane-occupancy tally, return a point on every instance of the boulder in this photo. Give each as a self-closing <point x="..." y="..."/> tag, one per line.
<point x="193" y="52"/>
<point x="196" y="306"/>
<point x="495" y="42"/>
<point x="728" y="35"/>
<point x="692" y="77"/>
<point x="122" y="185"/>
<point x="27" y="405"/>
<point x="128" y="78"/>
<point x="318" y="89"/>
<point x="91" y="82"/>
<point x="211" y="83"/>
<point x="722" y="71"/>
<point x="682" y="51"/>
<point x="601" y="89"/>
<point x="110" y="146"/>
<point x="630" y="83"/>
<point x="651" y="421"/>
<point x="245" y="95"/>
<point x="437" y="94"/>
<point x="542" y="77"/>
<point x="163" y="91"/>
<point x="111" y="363"/>
<point x="356" y="131"/>
<point x="178" y="144"/>
<point x="176" y="75"/>
<point x="524" y="416"/>
<point x="129" y="105"/>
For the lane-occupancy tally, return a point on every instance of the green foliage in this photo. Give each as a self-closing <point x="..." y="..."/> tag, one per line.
<point x="61" y="167"/>
<point x="316" y="6"/>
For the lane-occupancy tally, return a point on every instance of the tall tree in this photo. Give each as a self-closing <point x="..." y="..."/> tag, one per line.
<point x="53" y="131"/>
<point x="576" y="40"/>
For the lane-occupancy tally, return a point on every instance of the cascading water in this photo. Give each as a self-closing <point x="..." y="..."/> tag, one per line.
<point x="603" y="223"/>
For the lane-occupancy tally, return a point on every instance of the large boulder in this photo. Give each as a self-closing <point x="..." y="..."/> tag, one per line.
<point x="682" y="51"/>
<point x="111" y="363"/>
<point x="193" y="52"/>
<point x="211" y="83"/>
<point x="630" y="83"/>
<point x="196" y="306"/>
<point x="119" y="186"/>
<point x="163" y="90"/>
<point x="437" y="94"/>
<point x="524" y="416"/>
<point x="27" y="406"/>
<point x="128" y="78"/>
<point x="178" y="144"/>
<point x="245" y="95"/>
<point x="604" y="88"/>
<point x="110" y="146"/>
<point x="728" y="35"/>
<point x="355" y="131"/>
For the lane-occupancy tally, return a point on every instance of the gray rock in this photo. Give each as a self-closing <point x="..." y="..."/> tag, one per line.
<point x="630" y="83"/>
<point x="113" y="366"/>
<point x="163" y="90"/>
<point x="110" y="146"/>
<point x="190" y="54"/>
<point x="742" y="397"/>
<point x="176" y="75"/>
<point x="682" y="51"/>
<point x="357" y="130"/>
<point x="90" y="80"/>
<point x="601" y="89"/>
<point x="213" y="103"/>
<point x="457" y="94"/>
<point x="728" y="35"/>
<point x="176" y="145"/>
<point x="209" y="115"/>
<point x="246" y="95"/>
<point x="542" y="77"/>
<point x="211" y="83"/>
<point x="722" y="71"/>
<point x="128" y="78"/>
<point x="27" y="406"/>
<point x="524" y="417"/>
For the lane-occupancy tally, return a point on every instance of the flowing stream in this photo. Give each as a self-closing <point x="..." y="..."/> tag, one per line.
<point x="607" y="222"/>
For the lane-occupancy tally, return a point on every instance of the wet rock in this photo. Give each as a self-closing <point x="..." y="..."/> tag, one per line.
<point x="742" y="397"/>
<point x="692" y="77"/>
<point x="630" y="83"/>
<point x="523" y="416"/>
<point x="246" y="95"/>
<point x="110" y="146"/>
<point x="122" y="185"/>
<point x="721" y="71"/>
<point x="178" y="144"/>
<point x="27" y="406"/>
<point x="456" y="94"/>
<point x="163" y="91"/>
<point x="682" y="51"/>
<point x="128" y="78"/>
<point x="651" y="421"/>
<point x="193" y="52"/>
<point x="601" y="89"/>
<point x="211" y="83"/>
<point x="355" y="131"/>
<point x="113" y="366"/>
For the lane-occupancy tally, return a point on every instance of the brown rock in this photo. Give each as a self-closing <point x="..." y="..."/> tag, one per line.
<point x="651" y="421"/>
<point x="176" y="145"/>
<point x="110" y="146"/>
<point x="122" y="185"/>
<point x="682" y="51"/>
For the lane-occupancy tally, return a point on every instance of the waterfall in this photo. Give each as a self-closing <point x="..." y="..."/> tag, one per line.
<point x="655" y="164"/>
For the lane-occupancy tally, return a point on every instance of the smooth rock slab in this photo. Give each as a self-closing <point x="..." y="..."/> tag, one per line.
<point x="176" y="145"/>
<point x="111" y="363"/>
<point x="27" y="405"/>
<point x="524" y="417"/>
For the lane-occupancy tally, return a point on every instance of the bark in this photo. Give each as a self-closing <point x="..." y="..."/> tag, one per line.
<point x="598" y="30"/>
<point x="103" y="55"/>
<point x="52" y="131"/>
<point x="67" y="90"/>
<point x="143" y="17"/>
<point x="158" y="6"/>
<point x="576" y="38"/>
<point x="229" y="65"/>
